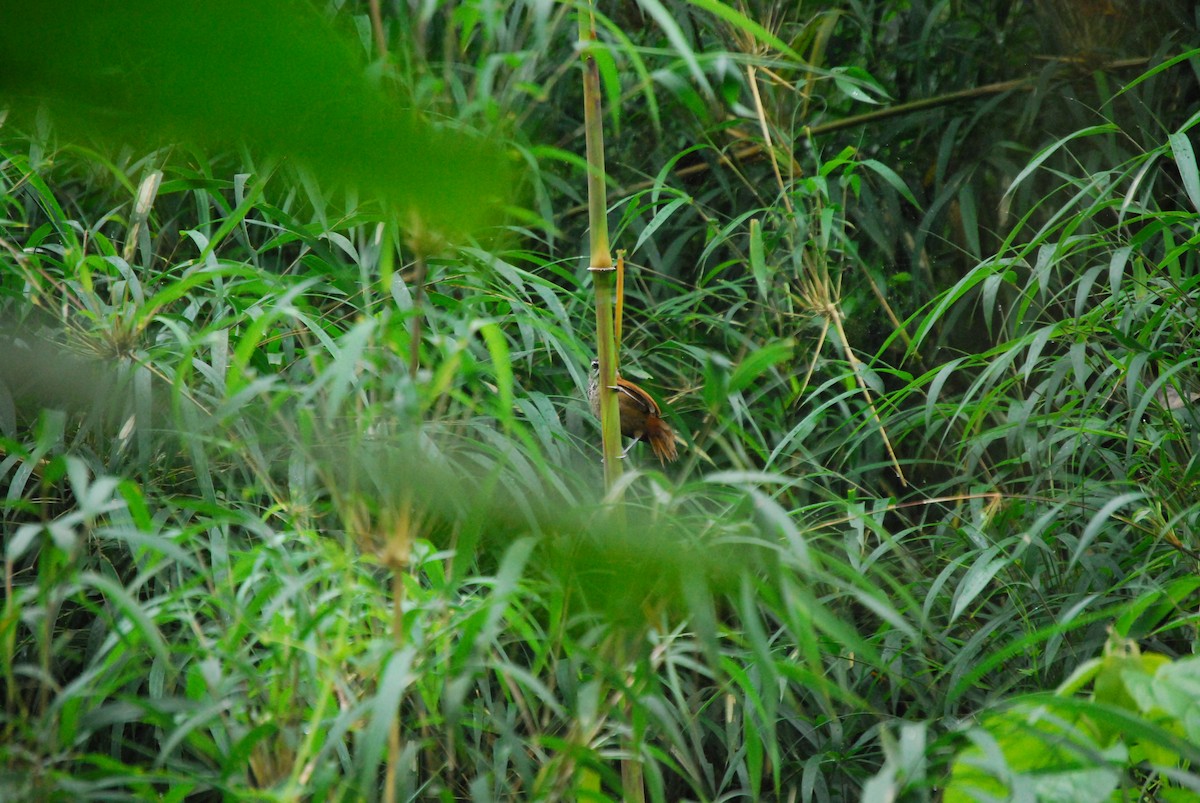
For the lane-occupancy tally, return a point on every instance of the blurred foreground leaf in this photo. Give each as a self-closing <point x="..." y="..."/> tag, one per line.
<point x="275" y="75"/>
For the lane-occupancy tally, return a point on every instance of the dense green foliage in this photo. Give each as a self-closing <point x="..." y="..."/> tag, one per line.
<point x="301" y="498"/>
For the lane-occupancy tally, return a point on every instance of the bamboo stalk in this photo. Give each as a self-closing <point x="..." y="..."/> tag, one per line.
<point x="600" y="264"/>
<point x="609" y="284"/>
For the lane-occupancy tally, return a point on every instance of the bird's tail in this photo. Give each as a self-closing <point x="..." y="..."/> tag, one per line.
<point x="661" y="438"/>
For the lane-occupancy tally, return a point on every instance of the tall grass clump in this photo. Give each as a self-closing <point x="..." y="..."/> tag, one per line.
<point x="302" y="497"/>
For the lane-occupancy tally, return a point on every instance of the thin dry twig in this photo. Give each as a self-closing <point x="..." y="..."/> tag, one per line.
<point x="820" y="294"/>
<point x="752" y="78"/>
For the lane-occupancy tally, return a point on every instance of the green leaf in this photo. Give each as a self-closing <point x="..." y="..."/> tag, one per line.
<point x="1021" y="753"/>
<point x="661" y="217"/>
<point x="748" y="26"/>
<point x="273" y="74"/>
<point x="1185" y="160"/>
<point x="137" y="614"/>
<point x="502" y="366"/>
<point x="758" y="260"/>
<point x="1050" y="150"/>
<point x="666" y="21"/>
<point x="892" y="178"/>
<point x="758" y="362"/>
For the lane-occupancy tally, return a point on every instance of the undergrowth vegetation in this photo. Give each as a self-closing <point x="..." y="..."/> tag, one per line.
<point x="302" y="499"/>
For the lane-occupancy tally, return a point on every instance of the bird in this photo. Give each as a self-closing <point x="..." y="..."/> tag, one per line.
<point x="641" y="417"/>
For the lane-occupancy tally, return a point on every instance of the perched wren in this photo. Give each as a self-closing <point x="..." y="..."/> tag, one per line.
<point x="641" y="418"/>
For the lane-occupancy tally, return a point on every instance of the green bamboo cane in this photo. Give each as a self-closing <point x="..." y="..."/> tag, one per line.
<point x="600" y="264"/>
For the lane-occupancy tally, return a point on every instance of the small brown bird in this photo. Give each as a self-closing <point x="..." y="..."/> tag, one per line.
<point x="641" y="418"/>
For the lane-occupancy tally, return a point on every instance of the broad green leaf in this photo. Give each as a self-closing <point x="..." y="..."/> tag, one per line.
<point x="758" y="362"/>
<point x="273" y="74"/>
<point x="1185" y="160"/>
